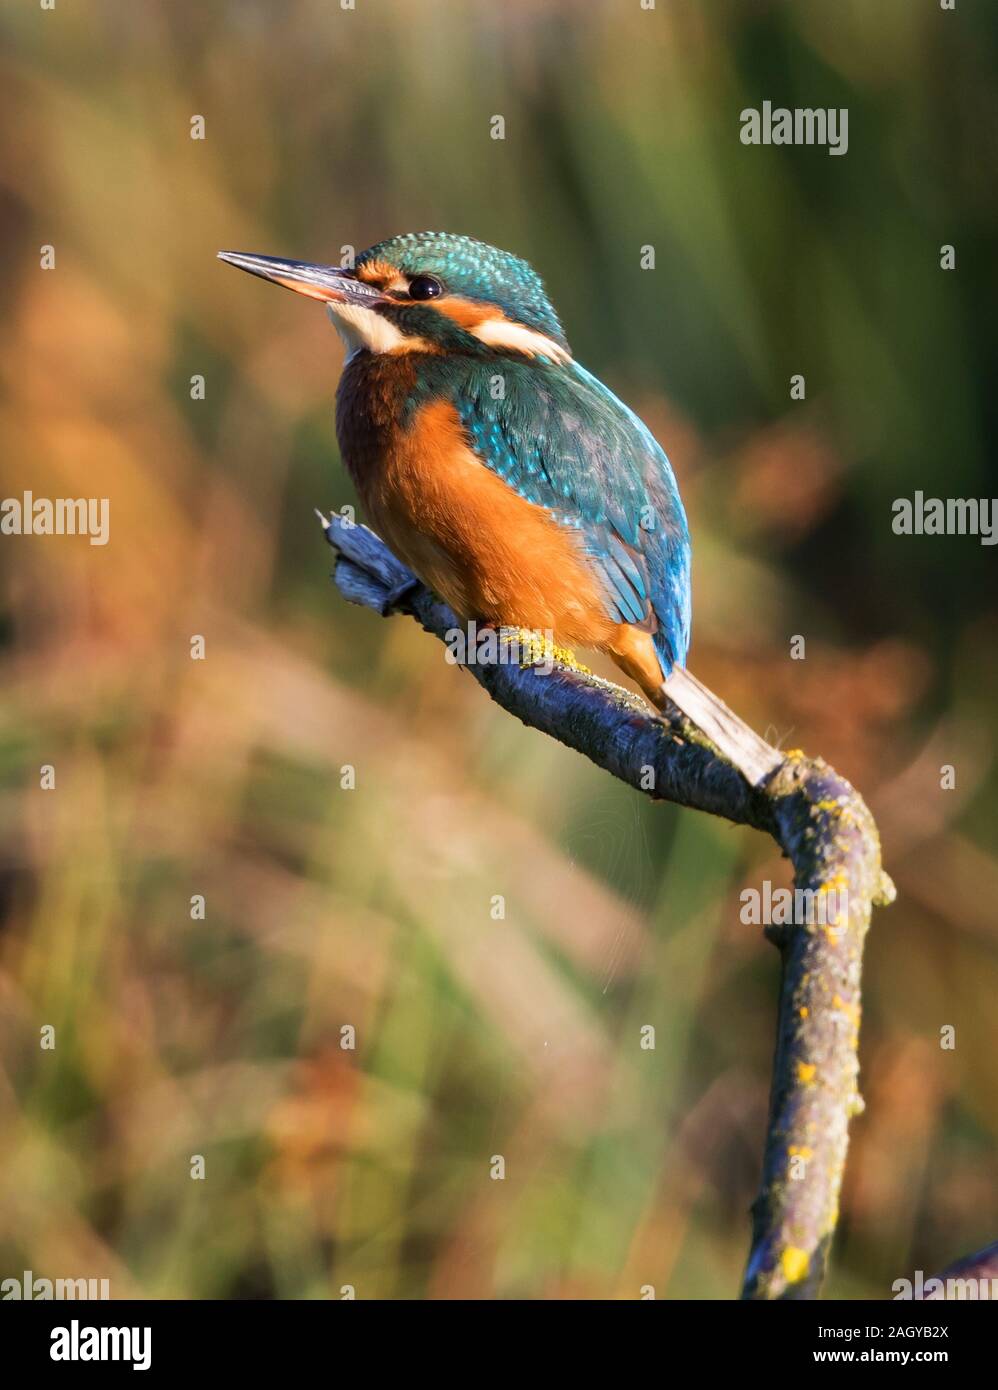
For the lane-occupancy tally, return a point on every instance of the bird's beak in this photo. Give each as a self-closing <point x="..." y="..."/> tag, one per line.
<point x="327" y="282"/>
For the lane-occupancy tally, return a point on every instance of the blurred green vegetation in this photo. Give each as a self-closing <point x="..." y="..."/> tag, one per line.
<point x="371" y="907"/>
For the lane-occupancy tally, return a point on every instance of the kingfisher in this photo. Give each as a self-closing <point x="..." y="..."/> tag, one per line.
<point x="511" y="480"/>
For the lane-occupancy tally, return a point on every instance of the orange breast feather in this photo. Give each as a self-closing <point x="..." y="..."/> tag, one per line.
<point x="477" y="543"/>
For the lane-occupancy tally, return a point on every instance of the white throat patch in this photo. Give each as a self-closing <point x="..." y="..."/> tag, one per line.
<point x="361" y="328"/>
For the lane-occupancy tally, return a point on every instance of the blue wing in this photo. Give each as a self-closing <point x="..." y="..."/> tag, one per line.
<point x="563" y="441"/>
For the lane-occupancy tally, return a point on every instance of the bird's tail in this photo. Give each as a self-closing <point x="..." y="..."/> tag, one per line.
<point x="752" y="755"/>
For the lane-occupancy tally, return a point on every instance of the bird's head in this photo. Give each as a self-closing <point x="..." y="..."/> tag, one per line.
<point x="428" y="292"/>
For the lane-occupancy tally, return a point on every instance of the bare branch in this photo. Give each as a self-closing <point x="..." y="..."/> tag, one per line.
<point x="823" y="827"/>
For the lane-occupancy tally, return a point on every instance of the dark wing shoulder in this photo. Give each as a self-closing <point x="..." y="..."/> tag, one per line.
<point x="563" y="441"/>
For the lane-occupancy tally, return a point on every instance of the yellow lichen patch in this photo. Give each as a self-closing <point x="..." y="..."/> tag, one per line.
<point x="794" y="1263"/>
<point x="886" y="892"/>
<point x="804" y="1011"/>
<point x="801" y="1151"/>
<point x="806" y="1072"/>
<point x="851" y="1011"/>
<point x="536" y="650"/>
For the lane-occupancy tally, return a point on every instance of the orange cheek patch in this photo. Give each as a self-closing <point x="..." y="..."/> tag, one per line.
<point x="465" y="312"/>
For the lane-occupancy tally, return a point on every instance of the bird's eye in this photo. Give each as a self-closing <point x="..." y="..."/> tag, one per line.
<point x="424" y="287"/>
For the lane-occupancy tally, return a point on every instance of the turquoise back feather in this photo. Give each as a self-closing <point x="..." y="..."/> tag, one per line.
<point x="563" y="441"/>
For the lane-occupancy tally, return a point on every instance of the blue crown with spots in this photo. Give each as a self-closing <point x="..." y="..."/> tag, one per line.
<point x="474" y="270"/>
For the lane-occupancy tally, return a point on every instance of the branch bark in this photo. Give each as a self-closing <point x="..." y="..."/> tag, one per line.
<point x="820" y="823"/>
